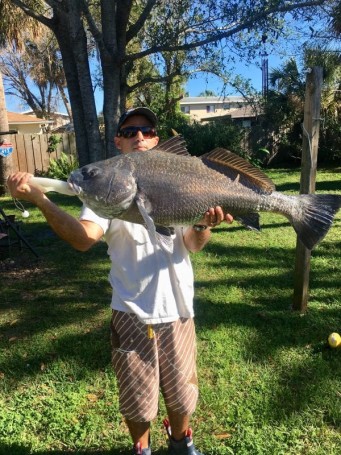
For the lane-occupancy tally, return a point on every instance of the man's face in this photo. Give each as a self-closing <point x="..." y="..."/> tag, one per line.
<point x="138" y="143"/>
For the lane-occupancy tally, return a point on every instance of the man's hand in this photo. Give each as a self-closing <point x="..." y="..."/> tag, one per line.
<point x="20" y="189"/>
<point x="81" y="235"/>
<point x="214" y="216"/>
<point x="196" y="239"/>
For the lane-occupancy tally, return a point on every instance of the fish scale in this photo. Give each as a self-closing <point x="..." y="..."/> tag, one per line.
<point x="192" y="187"/>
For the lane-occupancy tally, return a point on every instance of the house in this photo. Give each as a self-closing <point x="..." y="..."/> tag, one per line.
<point x="60" y="119"/>
<point x="205" y="109"/>
<point x="27" y="124"/>
<point x="56" y="119"/>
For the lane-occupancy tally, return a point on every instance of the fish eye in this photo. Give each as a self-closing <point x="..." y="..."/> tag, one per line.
<point x="90" y="172"/>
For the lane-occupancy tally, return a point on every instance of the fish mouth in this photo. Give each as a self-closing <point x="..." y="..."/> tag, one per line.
<point x="75" y="188"/>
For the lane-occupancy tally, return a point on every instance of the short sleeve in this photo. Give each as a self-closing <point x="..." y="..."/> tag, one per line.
<point x="88" y="215"/>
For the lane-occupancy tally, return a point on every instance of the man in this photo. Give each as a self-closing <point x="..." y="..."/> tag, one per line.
<point x="153" y="335"/>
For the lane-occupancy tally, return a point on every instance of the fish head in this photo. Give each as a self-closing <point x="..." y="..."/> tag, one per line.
<point x="106" y="187"/>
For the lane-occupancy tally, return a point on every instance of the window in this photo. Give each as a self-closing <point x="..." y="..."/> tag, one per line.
<point x="210" y="108"/>
<point x="185" y="109"/>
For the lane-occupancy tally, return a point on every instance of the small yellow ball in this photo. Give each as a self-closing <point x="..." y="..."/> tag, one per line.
<point x="334" y="340"/>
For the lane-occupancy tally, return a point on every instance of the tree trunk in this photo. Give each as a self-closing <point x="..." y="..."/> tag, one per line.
<point x="5" y="162"/>
<point x="72" y="41"/>
<point x="111" y="105"/>
<point x="113" y="52"/>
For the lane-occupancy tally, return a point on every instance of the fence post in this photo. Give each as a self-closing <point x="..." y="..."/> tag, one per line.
<point x="311" y="130"/>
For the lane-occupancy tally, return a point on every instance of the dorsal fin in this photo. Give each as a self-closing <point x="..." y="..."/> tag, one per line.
<point x="236" y="168"/>
<point x="175" y="145"/>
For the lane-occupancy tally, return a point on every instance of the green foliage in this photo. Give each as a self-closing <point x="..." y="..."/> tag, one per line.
<point x="336" y="19"/>
<point x="202" y="138"/>
<point x="269" y="383"/>
<point x="284" y="108"/>
<point x="53" y="142"/>
<point x="259" y="158"/>
<point x="60" y="168"/>
<point x="207" y="93"/>
<point x="330" y="140"/>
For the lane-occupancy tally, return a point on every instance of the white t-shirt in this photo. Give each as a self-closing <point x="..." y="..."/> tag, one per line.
<point x="155" y="285"/>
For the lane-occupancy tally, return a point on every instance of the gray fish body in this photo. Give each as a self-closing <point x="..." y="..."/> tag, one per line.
<point x="179" y="190"/>
<point x="158" y="188"/>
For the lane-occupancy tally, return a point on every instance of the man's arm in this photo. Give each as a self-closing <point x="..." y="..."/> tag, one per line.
<point x="195" y="240"/>
<point x="81" y="235"/>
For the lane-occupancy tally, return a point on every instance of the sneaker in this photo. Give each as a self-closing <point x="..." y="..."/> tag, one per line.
<point x="183" y="447"/>
<point x="137" y="450"/>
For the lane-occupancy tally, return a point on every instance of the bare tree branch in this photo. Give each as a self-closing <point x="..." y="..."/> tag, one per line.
<point x="39" y="17"/>
<point x="134" y="29"/>
<point x="154" y="79"/>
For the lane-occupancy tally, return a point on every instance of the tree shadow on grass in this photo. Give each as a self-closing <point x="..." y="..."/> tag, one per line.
<point x="325" y="186"/>
<point x="57" y="296"/>
<point x="78" y="300"/>
<point x="274" y="331"/>
<point x="19" y="449"/>
<point x="257" y="294"/>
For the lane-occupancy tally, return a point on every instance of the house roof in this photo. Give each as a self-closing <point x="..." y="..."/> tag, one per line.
<point x="245" y="112"/>
<point x="212" y="99"/>
<point x="242" y="112"/>
<point x="60" y="114"/>
<point x="52" y="115"/>
<point x="67" y="128"/>
<point x="16" y="118"/>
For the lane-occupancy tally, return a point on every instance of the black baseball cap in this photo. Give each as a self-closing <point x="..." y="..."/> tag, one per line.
<point x="138" y="111"/>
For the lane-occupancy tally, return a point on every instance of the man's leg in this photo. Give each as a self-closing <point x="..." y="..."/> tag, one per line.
<point x="178" y="376"/>
<point x="179" y="424"/>
<point x="139" y="432"/>
<point x="180" y="440"/>
<point x="134" y="359"/>
<point x="179" y="385"/>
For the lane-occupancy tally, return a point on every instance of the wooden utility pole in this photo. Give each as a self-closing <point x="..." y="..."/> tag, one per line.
<point x="311" y="130"/>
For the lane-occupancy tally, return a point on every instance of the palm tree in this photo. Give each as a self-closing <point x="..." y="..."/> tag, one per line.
<point x="335" y="21"/>
<point x="13" y="25"/>
<point x="284" y="108"/>
<point x="330" y="61"/>
<point x="207" y="93"/>
<point x="39" y="62"/>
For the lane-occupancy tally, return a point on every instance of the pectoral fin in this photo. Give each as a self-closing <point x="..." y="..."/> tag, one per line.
<point x="160" y="235"/>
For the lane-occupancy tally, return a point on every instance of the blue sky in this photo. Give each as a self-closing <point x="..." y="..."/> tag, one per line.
<point x="194" y="86"/>
<point x="279" y="53"/>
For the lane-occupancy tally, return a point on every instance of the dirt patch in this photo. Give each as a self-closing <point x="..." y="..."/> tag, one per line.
<point x="19" y="267"/>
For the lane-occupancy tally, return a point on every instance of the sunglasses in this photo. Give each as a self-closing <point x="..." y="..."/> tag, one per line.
<point x="131" y="131"/>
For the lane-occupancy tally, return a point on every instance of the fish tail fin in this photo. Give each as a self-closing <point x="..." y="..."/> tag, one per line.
<point x="315" y="216"/>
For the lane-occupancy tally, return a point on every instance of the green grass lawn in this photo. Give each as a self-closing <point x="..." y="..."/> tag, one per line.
<point x="269" y="383"/>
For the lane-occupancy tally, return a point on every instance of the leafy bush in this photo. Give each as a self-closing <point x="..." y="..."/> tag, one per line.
<point x="202" y="138"/>
<point x="53" y="141"/>
<point x="258" y="158"/>
<point x="60" y="168"/>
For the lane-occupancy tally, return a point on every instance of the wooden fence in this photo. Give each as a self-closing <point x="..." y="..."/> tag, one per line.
<point x="32" y="152"/>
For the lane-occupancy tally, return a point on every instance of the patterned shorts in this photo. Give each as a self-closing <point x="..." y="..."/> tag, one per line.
<point x="147" y="358"/>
